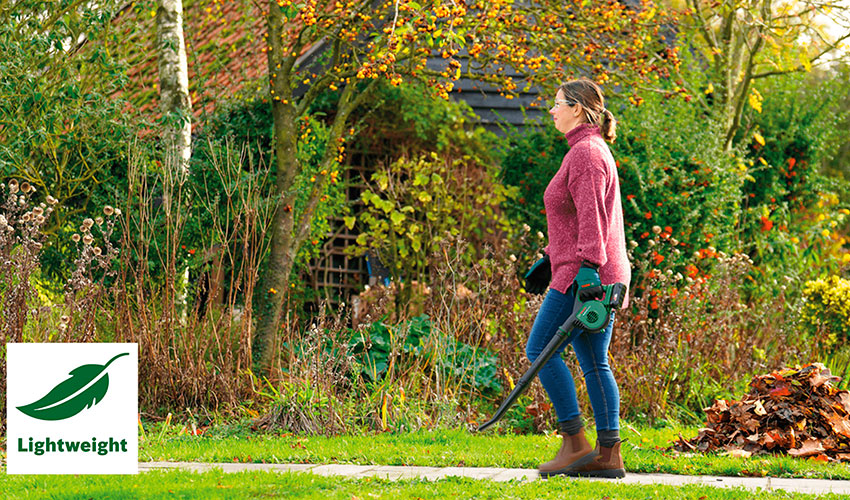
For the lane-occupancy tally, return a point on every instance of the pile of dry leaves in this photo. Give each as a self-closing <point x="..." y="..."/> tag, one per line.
<point x="796" y="411"/>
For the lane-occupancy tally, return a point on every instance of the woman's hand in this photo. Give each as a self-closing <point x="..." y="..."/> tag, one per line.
<point x="589" y="286"/>
<point x="538" y="277"/>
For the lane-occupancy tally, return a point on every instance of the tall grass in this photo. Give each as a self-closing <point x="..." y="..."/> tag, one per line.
<point x="196" y="354"/>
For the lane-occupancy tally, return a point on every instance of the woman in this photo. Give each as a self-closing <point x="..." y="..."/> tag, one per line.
<point x="587" y="245"/>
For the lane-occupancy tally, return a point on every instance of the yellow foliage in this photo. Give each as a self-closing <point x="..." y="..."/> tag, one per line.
<point x="755" y="100"/>
<point x="827" y="305"/>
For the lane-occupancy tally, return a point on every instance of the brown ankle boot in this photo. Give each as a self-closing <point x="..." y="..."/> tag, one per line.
<point x="575" y="452"/>
<point x="606" y="463"/>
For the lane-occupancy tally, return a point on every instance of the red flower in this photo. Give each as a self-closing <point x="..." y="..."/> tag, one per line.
<point x="766" y="224"/>
<point x="630" y="196"/>
<point x="648" y="215"/>
<point x="192" y="252"/>
<point x="792" y="162"/>
<point x="657" y="258"/>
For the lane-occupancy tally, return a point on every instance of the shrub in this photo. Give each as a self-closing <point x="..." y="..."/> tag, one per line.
<point x="826" y="309"/>
<point x="792" y="136"/>
<point x="415" y="205"/>
<point x="676" y="179"/>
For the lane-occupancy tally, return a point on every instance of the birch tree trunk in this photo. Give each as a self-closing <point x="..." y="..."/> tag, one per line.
<point x="175" y="104"/>
<point x="176" y="110"/>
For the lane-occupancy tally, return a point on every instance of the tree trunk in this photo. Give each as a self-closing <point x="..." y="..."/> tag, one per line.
<point x="175" y="104"/>
<point x="176" y="110"/>
<point x="282" y="252"/>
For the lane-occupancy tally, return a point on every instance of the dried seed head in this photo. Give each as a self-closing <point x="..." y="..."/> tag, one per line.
<point x="97" y="251"/>
<point x="25" y="217"/>
<point x="75" y="238"/>
<point x="88" y="222"/>
<point x="117" y="212"/>
<point x="39" y="219"/>
<point x="656" y="229"/>
<point x="98" y="220"/>
<point x="37" y="211"/>
<point x="22" y="201"/>
<point x="108" y="210"/>
<point x="87" y="239"/>
<point x="13" y="186"/>
<point x="51" y="200"/>
<point x="3" y="221"/>
<point x="65" y="319"/>
<point x="26" y="187"/>
<point x="62" y="327"/>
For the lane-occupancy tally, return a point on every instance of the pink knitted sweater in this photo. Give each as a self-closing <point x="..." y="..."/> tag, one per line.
<point x="584" y="213"/>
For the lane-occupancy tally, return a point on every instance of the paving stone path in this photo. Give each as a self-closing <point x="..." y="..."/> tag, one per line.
<point x="811" y="486"/>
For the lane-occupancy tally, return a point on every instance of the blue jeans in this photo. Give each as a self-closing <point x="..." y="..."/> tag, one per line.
<point x="592" y="352"/>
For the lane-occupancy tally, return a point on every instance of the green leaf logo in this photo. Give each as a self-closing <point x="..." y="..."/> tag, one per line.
<point x="83" y="389"/>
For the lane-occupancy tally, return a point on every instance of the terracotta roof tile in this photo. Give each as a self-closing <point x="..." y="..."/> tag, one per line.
<point x="224" y="47"/>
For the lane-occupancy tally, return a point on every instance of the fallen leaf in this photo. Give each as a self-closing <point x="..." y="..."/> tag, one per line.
<point x="810" y="447"/>
<point x="840" y="425"/>
<point x="779" y="391"/>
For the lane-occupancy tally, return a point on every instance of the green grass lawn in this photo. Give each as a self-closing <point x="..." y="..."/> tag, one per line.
<point x="644" y="451"/>
<point x="219" y="485"/>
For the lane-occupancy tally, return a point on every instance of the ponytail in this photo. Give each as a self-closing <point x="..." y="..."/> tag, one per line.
<point x="608" y="126"/>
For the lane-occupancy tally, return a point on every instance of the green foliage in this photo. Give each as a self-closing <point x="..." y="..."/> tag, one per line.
<point x="62" y="129"/>
<point x="790" y="138"/>
<point x="439" y="353"/>
<point x="792" y="211"/>
<point x="414" y="205"/>
<point x="374" y="345"/>
<point x="530" y="160"/>
<point x="675" y="179"/>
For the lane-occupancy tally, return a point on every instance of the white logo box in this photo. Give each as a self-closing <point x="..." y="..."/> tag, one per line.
<point x="99" y="439"/>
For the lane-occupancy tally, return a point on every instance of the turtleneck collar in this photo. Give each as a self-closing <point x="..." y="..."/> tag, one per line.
<point x="575" y="135"/>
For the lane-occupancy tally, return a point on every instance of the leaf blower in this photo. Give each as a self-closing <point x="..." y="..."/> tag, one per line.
<point x="591" y="316"/>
